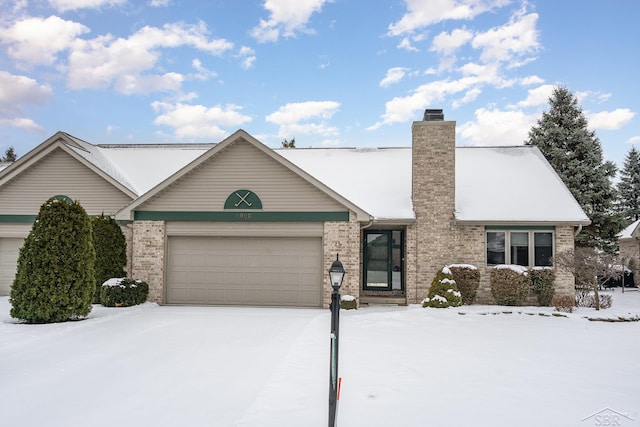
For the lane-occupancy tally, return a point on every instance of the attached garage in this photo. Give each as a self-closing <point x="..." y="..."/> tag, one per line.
<point x="268" y="271"/>
<point x="9" y="250"/>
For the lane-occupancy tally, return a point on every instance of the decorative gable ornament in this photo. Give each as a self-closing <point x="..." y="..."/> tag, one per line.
<point x="243" y="199"/>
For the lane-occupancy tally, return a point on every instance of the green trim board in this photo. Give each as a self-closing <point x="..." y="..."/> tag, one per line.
<point x="241" y="216"/>
<point x="521" y="227"/>
<point x="22" y="219"/>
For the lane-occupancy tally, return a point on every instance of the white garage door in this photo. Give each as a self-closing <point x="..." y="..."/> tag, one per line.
<point x="244" y="271"/>
<point x="9" y="250"/>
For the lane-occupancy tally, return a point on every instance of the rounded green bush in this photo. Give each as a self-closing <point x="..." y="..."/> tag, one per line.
<point x="509" y="284"/>
<point x="123" y="292"/>
<point x="543" y="284"/>
<point x="55" y="277"/>
<point x="443" y="291"/>
<point x="467" y="279"/>
<point x="111" y="251"/>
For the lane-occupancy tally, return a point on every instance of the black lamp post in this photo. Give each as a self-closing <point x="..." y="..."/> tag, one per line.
<point x="336" y="273"/>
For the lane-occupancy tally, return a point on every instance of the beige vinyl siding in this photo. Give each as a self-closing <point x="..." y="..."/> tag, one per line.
<point x="244" y="229"/>
<point x="59" y="173"/>
<point x="241" y="166"/>
<point x="9" y="251"/>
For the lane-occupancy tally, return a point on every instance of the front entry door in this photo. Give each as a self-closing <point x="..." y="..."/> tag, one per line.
<point x="383" y="262"/>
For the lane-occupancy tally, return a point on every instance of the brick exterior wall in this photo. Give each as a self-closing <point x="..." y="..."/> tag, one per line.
<point x="148" y="249"/>
<point x="342" y="238"/>
<point x="433" y="193"/>
<point x="630" y="249"/>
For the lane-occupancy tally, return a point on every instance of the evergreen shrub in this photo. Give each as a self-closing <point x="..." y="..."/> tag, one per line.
<point x="123" y="292"/>
<point x="509" y="284"/>
<point x="467" y="278"/>
<point x="543" y="284"/>
<point x="443" y="291"/>
<point x="55" y="276"/>
<point x="348" y="302"/>
<point x="111" y="251"/>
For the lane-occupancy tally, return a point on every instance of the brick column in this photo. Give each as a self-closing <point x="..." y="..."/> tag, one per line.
<point x="565" y="282"/>
<point x="342" y="238"/>
<point x="148" y="257"/>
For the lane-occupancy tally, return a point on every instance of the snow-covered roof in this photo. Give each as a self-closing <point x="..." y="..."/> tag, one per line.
<point x="378" y="180"/>
<point x="511" y="184"/>
<point x="493" y="184"/>
<point x="630" y="230"/>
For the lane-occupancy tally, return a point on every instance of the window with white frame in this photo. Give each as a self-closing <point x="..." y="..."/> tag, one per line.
<point x="529" y="248"/>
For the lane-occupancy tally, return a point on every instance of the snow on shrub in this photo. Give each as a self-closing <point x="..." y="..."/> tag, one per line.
<point x="509" y="284"/>
<point x="443" y="291"/>
<point x="123" y="292"/>
<point x="467" y="279"/>
<point x="348" y="302"/>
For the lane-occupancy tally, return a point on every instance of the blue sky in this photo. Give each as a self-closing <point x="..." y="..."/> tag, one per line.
<point x="329" y="73"/>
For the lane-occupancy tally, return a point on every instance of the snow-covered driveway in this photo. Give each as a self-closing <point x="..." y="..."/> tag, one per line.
<point x="401" y="366"/>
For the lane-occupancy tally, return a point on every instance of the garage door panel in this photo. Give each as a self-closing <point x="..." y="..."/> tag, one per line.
<point x="253" y="271"/>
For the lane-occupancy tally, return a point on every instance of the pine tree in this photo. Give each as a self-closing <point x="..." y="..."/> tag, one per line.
<point x="289" y="144"/>
<point x="55" y="277"/>
<point x="111" y="251"/>
<point x="629" y="186"/>
<point x="575" y="153"/>
<point x="9" y="155"/>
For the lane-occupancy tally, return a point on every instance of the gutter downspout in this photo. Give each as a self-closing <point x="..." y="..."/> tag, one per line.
<point x="578" y="230"/>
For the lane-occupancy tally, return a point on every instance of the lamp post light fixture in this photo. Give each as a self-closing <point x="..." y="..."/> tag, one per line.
<point x="336" y="274"/>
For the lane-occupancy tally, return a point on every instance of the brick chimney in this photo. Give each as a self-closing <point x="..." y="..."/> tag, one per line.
<point x="433" y="194"/>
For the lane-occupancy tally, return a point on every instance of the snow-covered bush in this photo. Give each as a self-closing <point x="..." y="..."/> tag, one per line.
<point x="543" y="284"/>
<point x="443" y="291"/>
<point x="55" y="278"/>
<point x="111" y="251"/>
<point x="467" y="279"/>
<point x="123" y="292"/>
<point x="348" y="302"/>
<point x="509" y="284"/>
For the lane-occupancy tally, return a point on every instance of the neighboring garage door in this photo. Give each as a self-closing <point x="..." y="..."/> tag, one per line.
<point x="9" y="249"/>
<point x="245" y="271"/>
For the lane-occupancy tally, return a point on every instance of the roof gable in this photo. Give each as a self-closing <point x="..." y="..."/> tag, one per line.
<point x="240" y="162"/>
<point x="631" y="231"/>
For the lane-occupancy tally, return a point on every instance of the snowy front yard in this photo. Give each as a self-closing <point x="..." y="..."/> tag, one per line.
<point x="401" y="366"/>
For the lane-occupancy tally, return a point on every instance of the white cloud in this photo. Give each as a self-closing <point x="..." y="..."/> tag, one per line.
<point x="610" y="120"/>
<point x="447" y="43"/>
<point x="202" y="72"/>
<point x="634" y="140"/>
<point x="286" y="18"/>
<point x="105" y="61"/>
<point x="394" y="75"/>
<point x="422" y="13"/>
<point x="305" y="118"/>
<point x="510" y="43"/>
<point x="22" y="123"/>
<point x="20" y="90"/>
<point x="159" y="3"/>
<point x="198" y="121"/>
<point x="247" y="57"/>
<point x="537" y="96"/>
<point x="65" y="5"/>
<point x="497" y="128"/>
<point x="37" y="41"/>
<point x="531" y="80"/>
<point x="405" y="44"/>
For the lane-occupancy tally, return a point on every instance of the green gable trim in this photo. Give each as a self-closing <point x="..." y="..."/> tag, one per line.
<point x="23" y="219"/>
<point x="242" y="216"/>
<point x="243" y="199"/>
<point x="520" y="227"/>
